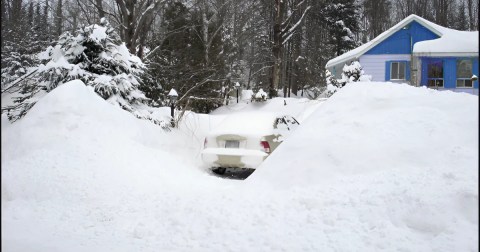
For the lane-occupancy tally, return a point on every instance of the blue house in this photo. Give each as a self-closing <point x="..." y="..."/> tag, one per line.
<point x="420" y="53"/>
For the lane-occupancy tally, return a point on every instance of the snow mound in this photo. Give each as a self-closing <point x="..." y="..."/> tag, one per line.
<point x="372" y="127"/>
<point x="386" y="159"/>
<point x="83" y="147"/>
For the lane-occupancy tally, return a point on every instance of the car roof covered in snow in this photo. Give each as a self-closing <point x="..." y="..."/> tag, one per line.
<point x="247" y="124"/>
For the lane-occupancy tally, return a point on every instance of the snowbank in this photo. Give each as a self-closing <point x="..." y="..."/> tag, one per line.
<point x="67" y="147"/>
<point x="385" y="164"/>
<point x="381" y="126"/>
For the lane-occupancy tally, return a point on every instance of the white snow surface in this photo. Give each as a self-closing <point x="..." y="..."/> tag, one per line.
<point x="376" y="167"/>
<point x="247" y="124"/>
<point x="451" y="43"/>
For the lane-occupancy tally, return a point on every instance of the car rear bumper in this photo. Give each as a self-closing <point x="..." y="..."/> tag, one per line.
<point x="233" y="158"/>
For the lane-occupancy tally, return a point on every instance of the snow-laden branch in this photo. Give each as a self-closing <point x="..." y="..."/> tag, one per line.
<point x="145" y="15"/>
<point x="165" y="37"/>
<point x="195" y="86"/>
<point x="289" y="18"/>
<point x="21" y="78"/>
<point x="288" y="34"/>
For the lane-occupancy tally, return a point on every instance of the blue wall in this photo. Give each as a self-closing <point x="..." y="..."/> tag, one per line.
<point x="399" y="42"/>
<point x="449" y="70"/>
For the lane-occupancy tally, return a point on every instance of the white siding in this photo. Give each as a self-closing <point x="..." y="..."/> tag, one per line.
<point x="374" y="65"/>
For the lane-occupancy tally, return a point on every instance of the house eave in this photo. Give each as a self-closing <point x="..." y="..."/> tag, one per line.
<point x="445" y="54"/>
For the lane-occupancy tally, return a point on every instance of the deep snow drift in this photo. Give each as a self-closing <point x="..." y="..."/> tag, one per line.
<point x="378" y="166"/>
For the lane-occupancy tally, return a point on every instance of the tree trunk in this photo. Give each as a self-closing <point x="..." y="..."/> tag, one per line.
<point x="277" y="49"/>
<point x="205" y="33"/>
<point x="470" y="15"/>
<point x="101" y="12"/>
<point x="59" y="18"/>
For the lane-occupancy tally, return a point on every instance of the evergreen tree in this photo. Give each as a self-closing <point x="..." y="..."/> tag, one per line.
<point x="461" y="17"/>
<point x="19" y="52"/>
<point x="341" y="18"/>
<point x="180" y="61"/>
<point x="98" y="58"/>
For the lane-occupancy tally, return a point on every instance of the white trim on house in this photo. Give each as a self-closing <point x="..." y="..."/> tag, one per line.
<point x="446" y="54"/>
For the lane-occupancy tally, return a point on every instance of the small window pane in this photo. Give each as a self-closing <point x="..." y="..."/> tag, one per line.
<point x="468" y="83"/>
<point x="439" y="83"/>
<point x="460" y="83"/>
<point x="464" y="69"/>
<point x="394" y="69"/>
<point x="435" y="69"/>
<point x="401" y="71"/>
<point x="397" y="70"/>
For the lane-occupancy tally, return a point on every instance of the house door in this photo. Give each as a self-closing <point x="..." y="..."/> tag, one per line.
<point x="435" y="73"/>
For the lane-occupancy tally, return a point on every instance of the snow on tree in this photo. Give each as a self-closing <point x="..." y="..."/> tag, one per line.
<point x="98" y="58"/>
<point x="352" y="72"/>
<point x="341" y="18"/>
<point x="259" y="96"/>
<point x="332" y="83"/>
<point x="20" y="50"/>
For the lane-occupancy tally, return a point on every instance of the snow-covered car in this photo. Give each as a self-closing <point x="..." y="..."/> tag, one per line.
<point x="245" y="140"/>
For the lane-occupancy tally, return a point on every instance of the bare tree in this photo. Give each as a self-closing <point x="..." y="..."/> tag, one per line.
<point x="283" y="29"/>
<point x="134" y="17"/>
<point x="58" y="19"/>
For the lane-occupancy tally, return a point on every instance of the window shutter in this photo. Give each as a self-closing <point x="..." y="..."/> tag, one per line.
<point x="387" y="70"/>
<point x="407" y="70"/>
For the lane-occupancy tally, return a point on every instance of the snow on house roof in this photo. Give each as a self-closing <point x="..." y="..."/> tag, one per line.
<point x="452" y="43"/>
<point x="449" y="39"/>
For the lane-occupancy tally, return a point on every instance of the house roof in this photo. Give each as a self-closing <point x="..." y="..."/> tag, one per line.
<point x="452" y="43"/>
<point x="447" y="43"/>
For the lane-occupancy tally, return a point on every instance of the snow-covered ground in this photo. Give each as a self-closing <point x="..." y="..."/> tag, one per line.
<point x="378" y="166"/>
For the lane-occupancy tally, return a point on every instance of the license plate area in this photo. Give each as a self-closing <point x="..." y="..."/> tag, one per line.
<point x="232" y="144"/>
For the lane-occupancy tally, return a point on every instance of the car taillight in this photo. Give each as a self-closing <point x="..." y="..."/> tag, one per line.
<point x="205" y="143"/>
<point x="266" y="146"/>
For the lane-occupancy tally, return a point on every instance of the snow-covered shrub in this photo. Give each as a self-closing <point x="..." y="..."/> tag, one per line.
<point x="332" y="84"/>
<point x="331" y="89"/>
<point x="352" y="72"/>
<point x="259" y="96"/>
<point x="330" y="79"/>
<point x="96" y="56"/>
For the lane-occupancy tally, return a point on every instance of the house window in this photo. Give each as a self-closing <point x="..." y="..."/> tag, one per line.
<point x="435" y="74"/>
<point x="397" y="70"/>
<point x="464" y="73"/>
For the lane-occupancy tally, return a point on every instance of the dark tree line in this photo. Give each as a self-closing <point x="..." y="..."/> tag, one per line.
<point x="200" y="46"/>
